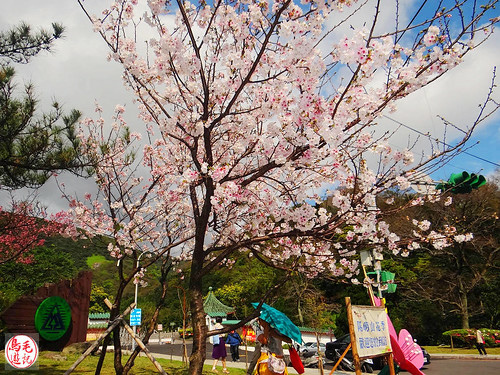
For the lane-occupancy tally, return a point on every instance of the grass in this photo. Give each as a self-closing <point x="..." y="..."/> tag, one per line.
<point x="93" y="259"/>
<point x="53" y="363"/>
<point x="448" y="350"/>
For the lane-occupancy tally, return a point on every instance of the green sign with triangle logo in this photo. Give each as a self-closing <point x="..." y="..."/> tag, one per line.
<point x="53" y="318"/>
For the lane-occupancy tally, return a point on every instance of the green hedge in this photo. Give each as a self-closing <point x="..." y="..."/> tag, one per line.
<point x="467" y="337"/>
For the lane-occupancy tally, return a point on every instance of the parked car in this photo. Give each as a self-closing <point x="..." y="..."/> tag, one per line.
<point x="427" y="356"/>
<point x="312" y="347"/>
<point x="347" y="364"/>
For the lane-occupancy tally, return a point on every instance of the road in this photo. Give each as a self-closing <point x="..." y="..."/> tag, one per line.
<point x="437" y="367"/>
<point x="462" y="367"/>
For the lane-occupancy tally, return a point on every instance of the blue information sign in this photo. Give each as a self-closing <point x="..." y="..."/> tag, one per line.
<point x="135" y="317"/>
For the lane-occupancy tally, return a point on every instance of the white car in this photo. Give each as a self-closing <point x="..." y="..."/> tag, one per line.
<point x="311" y="347"/>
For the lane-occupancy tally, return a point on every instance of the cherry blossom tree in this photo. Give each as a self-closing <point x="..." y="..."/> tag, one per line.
<point x="22" y="228"/>
<point x="254" y="112"/>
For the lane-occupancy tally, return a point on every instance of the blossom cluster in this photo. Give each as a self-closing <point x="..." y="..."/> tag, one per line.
<point x="241" y="135"/>
<point x="25" y="227"/>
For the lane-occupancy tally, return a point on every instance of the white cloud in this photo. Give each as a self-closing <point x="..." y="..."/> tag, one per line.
<point x="456" y="96"/>
<point x="76" y="73"/>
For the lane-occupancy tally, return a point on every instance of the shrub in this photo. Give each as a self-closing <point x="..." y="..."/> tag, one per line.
<point x="467" y="337"/>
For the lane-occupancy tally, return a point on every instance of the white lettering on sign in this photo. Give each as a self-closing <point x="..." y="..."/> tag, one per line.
<point x="135" y="317"/>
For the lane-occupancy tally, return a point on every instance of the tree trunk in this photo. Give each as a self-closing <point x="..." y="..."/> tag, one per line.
<point x="198" y="355"/>
<point x="200" y="329"/>
<point x="118" y="351"/>
<point x="184" y="316"/>
<point x="105" y="344"/>
<point x="320" y="354"/>
<point x="299" y="311"/>
<point x="115" y="311"/>
<point x="464" y="306"/>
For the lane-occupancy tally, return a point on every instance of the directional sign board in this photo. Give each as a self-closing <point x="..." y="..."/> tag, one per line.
<point x="135" y="317"/>
<point x="371" y="330"/>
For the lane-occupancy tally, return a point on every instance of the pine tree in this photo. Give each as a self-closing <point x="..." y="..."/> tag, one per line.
<point x="33" y="145"/>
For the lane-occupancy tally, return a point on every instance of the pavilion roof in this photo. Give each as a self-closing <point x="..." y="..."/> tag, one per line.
<point x="213" y="307"/>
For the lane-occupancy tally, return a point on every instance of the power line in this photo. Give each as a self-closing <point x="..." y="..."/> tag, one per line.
<point x="437" y="140"/>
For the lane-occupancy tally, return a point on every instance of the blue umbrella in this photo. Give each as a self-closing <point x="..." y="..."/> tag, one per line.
<point x="279" y="322"/>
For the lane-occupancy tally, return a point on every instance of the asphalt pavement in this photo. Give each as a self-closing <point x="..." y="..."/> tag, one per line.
<point x="174" y="351"/>
<point x="465" y="356"/>
<point x="243" y="365"/>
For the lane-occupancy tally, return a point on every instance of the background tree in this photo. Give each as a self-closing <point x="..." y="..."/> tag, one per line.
<point x="20" y="43"/>
<point x="22" y="229"/>
<point x="251" y="109"/>
<point x="32" y="145"/>
<point x="48" y="265"/>
<point x="243" y="285"/>
<point x="490" y="304"/>
<point x="454" y="277"/>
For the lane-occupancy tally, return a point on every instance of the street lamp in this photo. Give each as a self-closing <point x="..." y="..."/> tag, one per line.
<point x="172" y="325"/>
<point x="135" y="295"/>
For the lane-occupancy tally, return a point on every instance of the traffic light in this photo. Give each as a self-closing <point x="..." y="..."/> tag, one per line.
<point x="461" y="183"/>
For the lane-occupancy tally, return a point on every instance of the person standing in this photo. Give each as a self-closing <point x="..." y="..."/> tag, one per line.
<point x="219" y="349"/>
<point x="255" y="358"/>
<point x="257" y="352"/>
<point x="271" y="359"/>
<point x="480" y="343"/>
<point x="234" y="340"/>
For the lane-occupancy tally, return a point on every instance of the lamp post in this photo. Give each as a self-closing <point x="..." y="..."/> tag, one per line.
<point x="135" y="295"/>
<point x="172" y="325"/>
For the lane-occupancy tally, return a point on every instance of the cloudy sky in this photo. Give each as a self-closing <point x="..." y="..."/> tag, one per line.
<point x="77" y="74"/>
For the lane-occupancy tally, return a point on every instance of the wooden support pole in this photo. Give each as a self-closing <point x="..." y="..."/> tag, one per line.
<point x="246" y="353"/>
<point x="99" y="339"/>
<point x="341" y="358"/>
<point x="355" y="355"/>
<point x="139" y="342"/>
<point x="390" y="358"/>
<point x="144" y="348"/>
